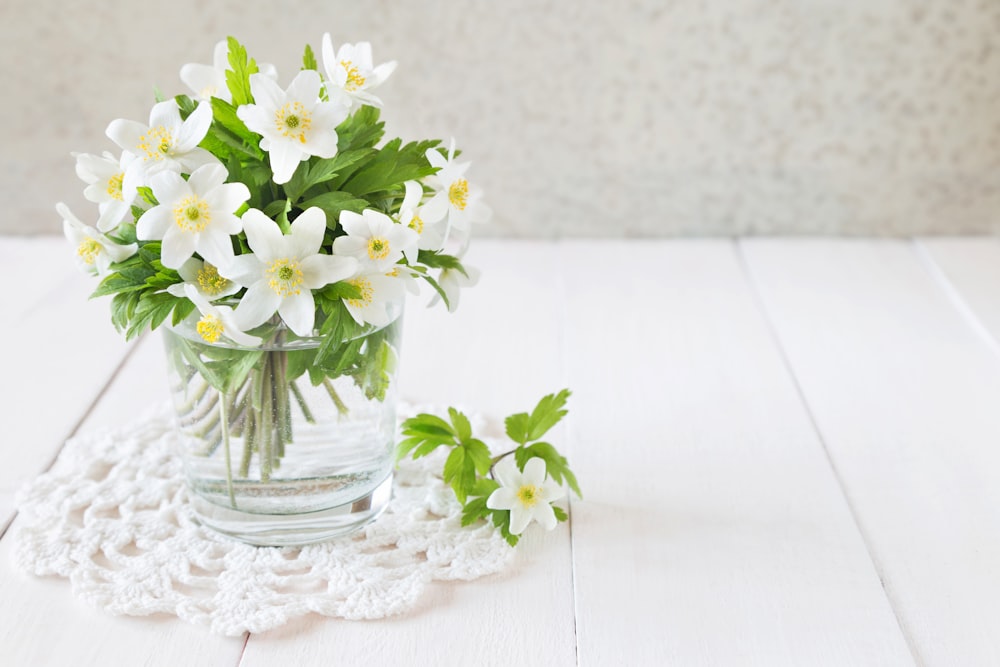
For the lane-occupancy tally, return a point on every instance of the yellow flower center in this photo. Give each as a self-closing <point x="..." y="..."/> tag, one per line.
<point x="156" y="143"/>
<point x="192" y="214"/>
<point x="367" y="292"/>
<point x="417" y="224"/>
<point x="88" y="250"/>
<point x="378" y="247"/>
<point x="115" y="186"/>
<point x="529" y="495"/>
<point x="285" y="277"/>
<point x="293" y="121"/>
<point x="210" y="282"/>
<point x="354" y="78"/>
<point x="210" y="328"/>
<point x="458" y="194"/>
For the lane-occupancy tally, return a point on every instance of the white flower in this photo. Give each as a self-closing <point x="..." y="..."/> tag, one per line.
<point x="452" y="282"/>
<point x="94" y="250"/>
<point x="351" y="74"/>
<point x="527" y="495"/>
<point x="381" y="298"/>
<point x="282" y="271"/>
<point x="208" y="81"/>
<point x="413" y="215"/>
<point x="455" y="198"/>
<point x="104" y="176"/>
<point x="196" y="215"/>
<point x="167" y="143"/>
<point x="374" y="240"/>
<point x="218" y="321"/>
<point x="294" y="124"/>
<point x="205" y="279"/>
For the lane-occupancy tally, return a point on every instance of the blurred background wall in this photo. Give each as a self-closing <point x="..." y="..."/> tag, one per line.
<point x="582" y="118"/>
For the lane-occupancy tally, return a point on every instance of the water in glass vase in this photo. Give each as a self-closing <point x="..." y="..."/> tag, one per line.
<point x="279" y="449"/>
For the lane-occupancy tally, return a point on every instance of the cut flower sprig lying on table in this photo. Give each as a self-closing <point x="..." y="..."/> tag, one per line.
<point x="511" y="489"/>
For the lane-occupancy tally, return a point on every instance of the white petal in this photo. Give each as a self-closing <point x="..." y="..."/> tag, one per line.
<point x="307" y="232"/>
<point x="257" y="306"/>
<point x="534" y="471"/>
<point x="216" y="246"/>
<point x="227" y="197"/>
<point x="502" y="499"/>
<point x="299" y="312"/>
<point x="321" y="270"/>
<point x="263" y="235"/>
<point x="266" y="93"/>
<point x="165" y="113"/>
<point x="305" y="87"/>
<point x="354" y="223"/>
<point x="207" y="178"/>
<point x="244" y="270"/>
<point x="543" y="514"/>
<point x="194" y="128"/>
<point x="154" y="223"/>
<point x="285" y="157"/>
<point x="126" y="133"/>
<point x="507" y="473"/>
<point x="177" y="248"/>
<point x="519" y="520"/>
<point x="169" y="188"/>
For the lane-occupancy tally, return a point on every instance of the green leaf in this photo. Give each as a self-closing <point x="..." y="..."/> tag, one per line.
<point x="147" y="194"/>
<point x="437" y="288"/>
<point x="238" y="74"/>
<point x="547" y="414"/>
<point x="342" y="290"/>
<point x="437" y="259"/>
<point x="333" y="203"/>
<point x="479" y="454"/>
<point x="560" y="513"/>
<point x="309" y="59"/>
<point x="518" y="427"/>
<point x="460" y="473"/>
<point x="390" y="168"/>
<point x="463" y="429"/>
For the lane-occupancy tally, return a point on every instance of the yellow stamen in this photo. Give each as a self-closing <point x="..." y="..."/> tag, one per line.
<point x="417" y="224"/>
<point x="115" y="186"/>
<point x="285" y="277"/>
<point x="88" y="250"/>
<point x="458" y="194"/>
<point x="210" y="328"/>
<point x="210" y="282"/>
<point x="367" y="292"/>
<point x="354" y="78"/>
<point x="529" y="495"/>
<point x="156" y="143"/>
<point x="293" y="121"/>
<point x="378" y="247"/>
<point x="192" y="214"/>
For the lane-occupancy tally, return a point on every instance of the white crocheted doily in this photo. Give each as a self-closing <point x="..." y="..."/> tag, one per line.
<point x="112" y="516"/>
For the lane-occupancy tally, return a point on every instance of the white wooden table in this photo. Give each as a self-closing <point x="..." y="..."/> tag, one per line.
<point x="790" y="451"/>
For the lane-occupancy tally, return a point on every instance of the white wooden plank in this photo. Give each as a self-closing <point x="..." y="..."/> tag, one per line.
<point x="42" y="623"/>
<point x="496" y="355"/>
<point x="713" y="531"/>
<point x="905" y="394"/>
<point x="35" y="266"/>
<point x="969" y="271"/>
<point x="60" y="352"/>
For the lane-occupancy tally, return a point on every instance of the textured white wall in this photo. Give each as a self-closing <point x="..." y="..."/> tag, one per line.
<point x="588" y="118"/>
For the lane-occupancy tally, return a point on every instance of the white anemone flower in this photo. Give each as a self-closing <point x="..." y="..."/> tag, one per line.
<point x="455" y="197"/>
<point x="196" y="215"/>
<point x="218" y="321"/>
<point x="381" y="298"/>
<point x="94" y="250"/>
<point x="104" y="176"/>
<point x="167" y="143"/>
<point x="375" y="240"/>
<point x="208" y="81"/>
<point x="413" y="215"/>
<point x="282" y="271"/>
<point x="294" y="123"/>
<point x="452" y="282"/>
<point x="205" y="279"/>
<point x="526" y="494"/>
<point x="351" y="74"/>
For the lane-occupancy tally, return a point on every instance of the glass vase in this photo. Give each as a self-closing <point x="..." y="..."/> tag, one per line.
<point x="286" y="443"/>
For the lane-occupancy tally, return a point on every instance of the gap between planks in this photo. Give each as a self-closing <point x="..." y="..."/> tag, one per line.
<point x="858" y="524"/>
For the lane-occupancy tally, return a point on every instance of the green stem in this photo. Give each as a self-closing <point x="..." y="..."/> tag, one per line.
<point x="301" y="400"/>
<point x="341" y="406"/>
<point x="266" y="422"/>
<point x="225" y="439"/>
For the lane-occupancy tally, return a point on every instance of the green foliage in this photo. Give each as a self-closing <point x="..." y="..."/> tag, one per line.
<point x="309" y="59"/>
<point x="241" y="66"/>
<point x="468" y="468"/>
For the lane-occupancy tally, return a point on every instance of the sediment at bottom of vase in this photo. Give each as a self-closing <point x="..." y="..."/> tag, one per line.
<point x="294" y="529"/>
